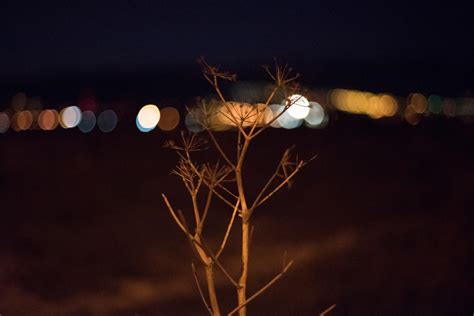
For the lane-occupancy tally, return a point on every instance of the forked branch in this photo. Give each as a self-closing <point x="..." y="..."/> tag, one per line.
<point x="203" y="298"/>
<point x="263" y="289"/>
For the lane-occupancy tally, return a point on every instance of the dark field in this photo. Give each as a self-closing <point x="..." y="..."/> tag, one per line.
<point x="381" y="223"/>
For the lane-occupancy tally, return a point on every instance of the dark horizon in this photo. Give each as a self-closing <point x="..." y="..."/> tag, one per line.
<point x="391" y="47"/>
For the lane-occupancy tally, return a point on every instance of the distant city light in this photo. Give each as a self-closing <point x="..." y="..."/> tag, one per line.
<point x="4" y="122"/>
<point x="107" y="121"/>
<point x="148" y="117"/>
<point x="70" y="117"/>
<point x="22" y="121"/>
<point x="411" y="116"/>
<point x="435" y="104"/>
<point x="48" y="120"/>
<point x="316" y="118"/>
<point x="289" y="122"/>
<point x="276" y="110"/>
<point x="88" y="122"/>
<point x="299" y="106"/>
<point x="449" y="107"/>
<point x="192" y="121"/>
<point x="374" y="105"/>
<point x="418" y="102"/>
<point x="169" y="119"/>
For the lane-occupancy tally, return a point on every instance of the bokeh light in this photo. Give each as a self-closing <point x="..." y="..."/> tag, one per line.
<point x="70" y="117"/>
<point x="287" y="121"/>
<point x="276" y="110"/>
<point x="22" y="121"/>
<point x="48" y="120"/>
<point x="317" y="117"/>
<point x="147" y="118"/>
<point x="418" y="102"/>
<point x="169" y="119"/>
<point x="87" y="103"/>
<point x="449" y="107"/>
<point x="299" y="106"/>
<point x="88" y="122"/>
<point x="411" y="116"/>
<point x="4" y="122"/>
<point x="359" y="102"/>
<point x="107" y="121"/>
<point x="232" y="113"/>
<point x="193" y="121"/>
<point x="435" y="104"/>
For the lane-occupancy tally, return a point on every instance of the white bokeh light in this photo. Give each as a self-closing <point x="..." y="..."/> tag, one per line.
<point x="299" y="106"/>
<point x="70" y="117"/>
<point x="148" y="117"/>
<point x="316" y="118"/>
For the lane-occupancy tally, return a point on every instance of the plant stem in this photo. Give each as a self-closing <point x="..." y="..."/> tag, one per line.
<point x="212" y="290"/>
<point x="242" y="290"/>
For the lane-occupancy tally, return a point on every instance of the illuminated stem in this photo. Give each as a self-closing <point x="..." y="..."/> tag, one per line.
<point x="212" y="290"/>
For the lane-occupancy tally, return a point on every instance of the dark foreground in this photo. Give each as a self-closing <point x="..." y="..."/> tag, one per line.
<point x="380" y="223"/>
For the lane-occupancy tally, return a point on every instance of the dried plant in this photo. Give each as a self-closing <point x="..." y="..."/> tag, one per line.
<point x="225" y="181"/>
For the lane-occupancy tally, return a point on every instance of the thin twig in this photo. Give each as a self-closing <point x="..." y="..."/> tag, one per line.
<point x="219" y="149"/>
<point x="263" y="289"/>
<point x="206" y="249"/>
<point x="270" y="180"/>
<point x="229" y="227"/>
<point x="200" y="289"/>
<point x="175" y="217"/>
<point x="327" y="310"/>
<point x="287" y="179"/>
<point x="211" y="187"/>
<point x="205" y="212"/>
<point x="227" y="190"/>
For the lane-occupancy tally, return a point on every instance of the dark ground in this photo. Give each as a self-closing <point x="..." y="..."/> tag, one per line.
<point x="380" y="223"/>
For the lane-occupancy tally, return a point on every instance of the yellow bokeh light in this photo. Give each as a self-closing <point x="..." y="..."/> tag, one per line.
<point x="359" y="102"/>
<point x="245" y="114"/>
<point x="418" y="102"/>
<point x="22" y="120"/>
<point x="389" y="105"/>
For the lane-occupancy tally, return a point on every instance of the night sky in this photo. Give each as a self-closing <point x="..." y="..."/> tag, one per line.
<point x="372" y="45"/>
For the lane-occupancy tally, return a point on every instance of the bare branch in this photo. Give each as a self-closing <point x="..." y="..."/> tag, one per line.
<point x="200" y="289"/>
<point x="219" y="148"/>
<point x="229" y="227"/>
<point x="283" y="159"/>
<point x="285" y="181"/>
<point x="327" y="310"/>
<point x="175" y="217"/>
<point x="227" y="190"/>
<point x="209" y="185"/>
<point x="208" y="251"/>
<point x="263" y="289"/>
<point x="204" y="214"/>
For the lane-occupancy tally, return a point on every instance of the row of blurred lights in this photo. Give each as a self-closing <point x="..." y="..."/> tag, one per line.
<point x="167" y="119"/>
<point x="49" y="119"/>
<point x="224" y="116"/>
<point x="385" y="105"/>
<point x="72" y="117"/>
<point x="301" y="112"/>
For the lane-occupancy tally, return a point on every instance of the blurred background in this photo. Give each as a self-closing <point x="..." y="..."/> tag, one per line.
<point x="379" y="224"/>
